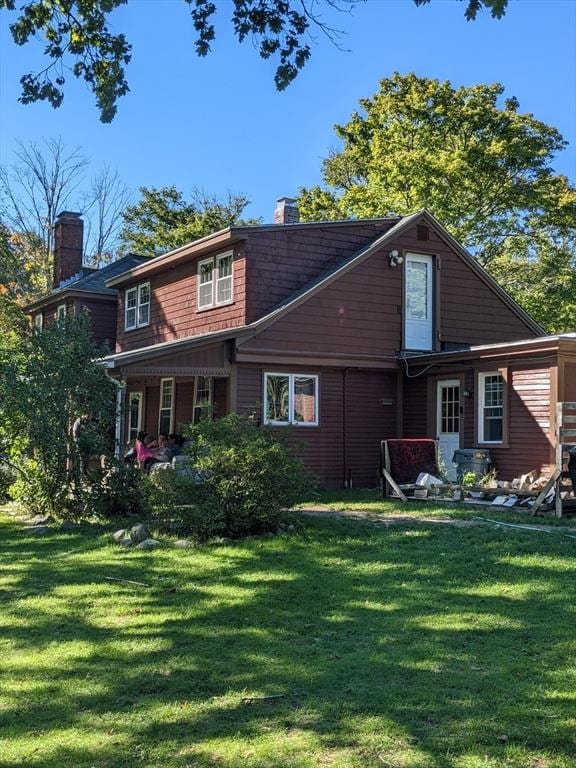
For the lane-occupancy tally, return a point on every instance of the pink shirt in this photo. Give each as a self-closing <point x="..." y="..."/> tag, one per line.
<point x="142" y="452"/>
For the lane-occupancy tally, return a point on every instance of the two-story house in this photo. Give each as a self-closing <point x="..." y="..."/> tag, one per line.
<point x="77" y="288"/>
<point x="340" y="334"/>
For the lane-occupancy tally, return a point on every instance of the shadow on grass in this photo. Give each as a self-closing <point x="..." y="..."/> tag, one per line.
<point x="377" y="647"/>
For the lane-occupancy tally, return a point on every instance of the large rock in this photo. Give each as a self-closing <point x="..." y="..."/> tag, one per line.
<point x="40" y="520"/>
<point x="38" y="530"/>
<point x="149" y="544"/>
<point x="67" y="526"/>
<point x="139" y="533"/>
<point x="184" y="544"/>
<point x="127" y="542"/>
<point x="117" y="536"/>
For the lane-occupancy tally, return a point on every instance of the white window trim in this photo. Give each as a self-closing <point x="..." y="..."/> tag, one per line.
<point x="136" y="289"/>
<point x="195" y="401"/>
<point x="160" y="409"/>
<point x="142" y="304"/>
<point x="140" y="397"/>
<point x="481" y="404"/>
<point x="291" y="422"/>
<point x="38" y="321"/>
<point x="128" y="291"/>
<point x="228" y="277"/>
<point x="61" y="312"/>
<point x="199" y="269"/>
<point x="215" y="262"/>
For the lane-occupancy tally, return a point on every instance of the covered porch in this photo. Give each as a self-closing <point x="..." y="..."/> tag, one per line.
<point x="160" y="391"/>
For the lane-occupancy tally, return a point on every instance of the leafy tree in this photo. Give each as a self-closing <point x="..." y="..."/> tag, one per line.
<point x="48" y="379"/>
<point x="78" y="38"/>
<point x="482" y="167"/>
<point x="162" y="219"/>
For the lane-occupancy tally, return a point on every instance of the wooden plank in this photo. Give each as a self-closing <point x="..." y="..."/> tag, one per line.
<point x="545" y="491"/>
<point x="392" y="482"/>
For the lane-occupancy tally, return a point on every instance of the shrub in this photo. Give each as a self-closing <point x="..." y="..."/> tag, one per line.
<point x="242" y="479"/>
<point x="50" y="381"/>
<point x="116" y="492"/>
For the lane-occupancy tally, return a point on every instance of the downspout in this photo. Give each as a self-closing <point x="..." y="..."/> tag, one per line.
<point x="120" y="385"/>
<point x="347" y="480"/>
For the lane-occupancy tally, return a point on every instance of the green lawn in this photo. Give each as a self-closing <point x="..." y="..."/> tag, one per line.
<point x="422" y="646"/>
<point x="371" y="500"/>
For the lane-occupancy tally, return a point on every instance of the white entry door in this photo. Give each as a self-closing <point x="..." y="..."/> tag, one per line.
<point x="448" y="423"/>
<point x="418" y="304"/>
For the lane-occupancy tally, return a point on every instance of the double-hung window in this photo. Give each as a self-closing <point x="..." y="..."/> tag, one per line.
<point x="215" y="281"/>
<point x="134" y="415"/>
<point x="38" y="322"/>
<point x="491" y="407"/>
<point x="61" y="312"/>
<point x="290" y="398"/>
<point x="203" y="397"/>
<point x="137" y="306"/>
<point x="166" y="410"/>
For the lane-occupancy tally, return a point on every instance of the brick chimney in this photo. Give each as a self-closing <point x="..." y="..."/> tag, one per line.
<point x="68" y="243"/>
<point x="286" y="211"/>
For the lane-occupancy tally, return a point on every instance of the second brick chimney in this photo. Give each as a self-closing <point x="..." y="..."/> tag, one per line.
<point x="286" y="211"/>
<point x="68" y="243"/>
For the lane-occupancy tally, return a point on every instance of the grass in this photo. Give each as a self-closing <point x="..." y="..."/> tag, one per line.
<point x="370" y="500"/>
<point x="425" y="646"/>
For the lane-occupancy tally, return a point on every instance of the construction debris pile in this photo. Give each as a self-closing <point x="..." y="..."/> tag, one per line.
<point x="530" y="491"/>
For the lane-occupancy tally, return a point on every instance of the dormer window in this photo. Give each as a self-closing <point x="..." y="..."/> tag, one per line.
<point x="137" y="307"/>
<point x="215" y="281"/>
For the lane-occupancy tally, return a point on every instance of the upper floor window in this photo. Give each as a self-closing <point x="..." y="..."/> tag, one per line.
<point x="61" y="312"/>
<point x="215" y="281"/>
<point x="38" y="321"/>
<point x="491" y="407"/>
<point x="290" y="398"/>
<point x="418" y="303"/>
<point x="137" y="306"/>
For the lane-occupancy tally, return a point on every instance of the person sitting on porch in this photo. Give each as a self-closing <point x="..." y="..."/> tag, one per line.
<point x="163" y="452"/>
<point x="175" y="445"/>
<point x="145" y="456"/>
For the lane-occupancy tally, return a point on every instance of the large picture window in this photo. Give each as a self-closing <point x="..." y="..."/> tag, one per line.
<point x="215" y="281"/>
<point x="290" y="398"/>
<point x="491" y="407"/>
<point x="137" y="307"/>
<point x="166" y="411"/>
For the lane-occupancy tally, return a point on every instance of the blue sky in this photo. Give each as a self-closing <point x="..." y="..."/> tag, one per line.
<point x="219" y="124"/>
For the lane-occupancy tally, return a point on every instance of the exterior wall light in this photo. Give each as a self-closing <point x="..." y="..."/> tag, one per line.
<point x="396" y="258"/>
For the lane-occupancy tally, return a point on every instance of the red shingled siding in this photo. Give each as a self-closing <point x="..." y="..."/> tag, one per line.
<point x="528" y="418"/>
<point x="102" y="319"/>
<point x="367" y="421"/>
<point x="173" y="309"/>
<point x="281" y="262"/>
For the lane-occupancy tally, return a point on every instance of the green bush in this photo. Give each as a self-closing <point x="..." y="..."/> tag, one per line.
<point x="115" y="492"/>
<point x="239" y="481"/>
